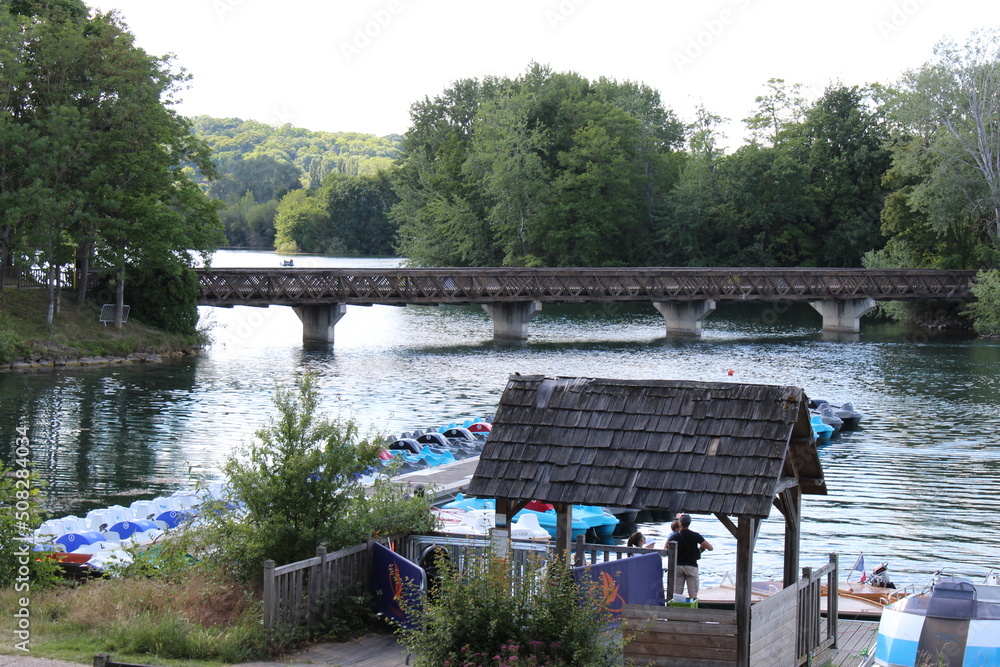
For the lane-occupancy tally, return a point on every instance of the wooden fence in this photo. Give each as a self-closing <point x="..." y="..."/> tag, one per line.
<point x="36" y="277"/>
<point x="786" y="629"/>
<point x="302" y="594"/>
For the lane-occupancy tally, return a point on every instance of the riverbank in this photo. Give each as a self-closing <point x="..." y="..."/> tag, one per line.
<point x="76" y="337"/>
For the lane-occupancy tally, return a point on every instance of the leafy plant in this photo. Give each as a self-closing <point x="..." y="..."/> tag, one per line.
<point x="298" y="485"/>
<point x="488" y="615"/>
<point x="12" y="346"/>
<point x="985" y="310"/>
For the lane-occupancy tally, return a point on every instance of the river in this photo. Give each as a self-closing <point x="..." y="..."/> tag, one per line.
<point x="918" y="487"/>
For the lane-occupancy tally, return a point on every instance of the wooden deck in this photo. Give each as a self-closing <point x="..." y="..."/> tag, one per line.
<point x="853" y="637"/>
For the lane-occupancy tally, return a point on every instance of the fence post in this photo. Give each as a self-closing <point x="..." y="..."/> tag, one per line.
<point x="314" y="588"/>
<point x="578" y="560"/>
<point x="269" y="601"/>
<point x="671" y="570"/>
<point x="101" y="659"/>
<point x="833" y="599"/>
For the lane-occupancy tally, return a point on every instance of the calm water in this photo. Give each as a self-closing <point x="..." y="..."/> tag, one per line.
<point x="918" y="487"/>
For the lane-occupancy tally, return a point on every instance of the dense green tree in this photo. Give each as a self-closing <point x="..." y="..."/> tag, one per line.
<point x="301" y="223"/>
<point x="358" y="210"/>
<point x="846" y="153"/>
<point x="546" y="169"/>
<point x="946" y="164"/>
<point x="262" y="175"/>
<point x="105" y="170"/>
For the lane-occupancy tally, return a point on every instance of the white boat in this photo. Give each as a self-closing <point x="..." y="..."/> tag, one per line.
<point x="956" y="623"/>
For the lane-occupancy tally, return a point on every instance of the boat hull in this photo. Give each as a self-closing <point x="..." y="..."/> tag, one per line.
<point x="908" y="640"/>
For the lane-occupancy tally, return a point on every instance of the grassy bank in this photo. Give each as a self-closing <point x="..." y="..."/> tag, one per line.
<point x="198" y="619"/>
<point x="75" y="331"/>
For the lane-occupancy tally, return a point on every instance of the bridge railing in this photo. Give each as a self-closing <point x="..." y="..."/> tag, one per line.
<point x="463" y="286"/>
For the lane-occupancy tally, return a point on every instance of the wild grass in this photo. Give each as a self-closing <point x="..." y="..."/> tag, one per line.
<point x="198" y="617"/>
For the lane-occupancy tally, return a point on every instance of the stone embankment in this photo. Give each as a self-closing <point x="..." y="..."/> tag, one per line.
<point x="38" y="362"/>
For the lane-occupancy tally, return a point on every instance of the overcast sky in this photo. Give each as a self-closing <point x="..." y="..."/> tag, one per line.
<point x="357" y="66"/>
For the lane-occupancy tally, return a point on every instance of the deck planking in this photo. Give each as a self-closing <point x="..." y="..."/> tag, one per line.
<point x="853" y="637"/>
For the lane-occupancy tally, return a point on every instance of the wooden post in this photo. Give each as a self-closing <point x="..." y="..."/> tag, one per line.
<point x="833" y="601"/>
<point x="564" y="528"/>
<point x="269" y="601"/>
<point x="791" y="507"/>
<point x="746" y="536"/>
<point x="101" y="660"/>
<point x="579" y="559"/>
<point x="671" y="570"/>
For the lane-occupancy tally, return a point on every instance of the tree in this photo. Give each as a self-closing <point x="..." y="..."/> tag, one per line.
<point x="781" y="107"/>
<point x="943" y="209"/>
<point x="546" y="169"/>
<point x="297" y="485"/>
<point x="105" y="173"/>
<point x="844" y="147"/>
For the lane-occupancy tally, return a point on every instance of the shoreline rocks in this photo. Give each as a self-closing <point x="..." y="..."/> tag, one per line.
<point x="39" y="363"/>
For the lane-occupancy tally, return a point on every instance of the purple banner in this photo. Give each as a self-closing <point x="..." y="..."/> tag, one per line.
<point x="395" y="579"/>
<point x="633" y="580"/>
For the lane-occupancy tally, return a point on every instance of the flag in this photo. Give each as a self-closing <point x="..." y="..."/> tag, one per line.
<point x="859" y="566"/>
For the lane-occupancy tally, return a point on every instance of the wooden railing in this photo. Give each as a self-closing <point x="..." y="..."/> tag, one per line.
<point x="228" y="287"/>
<point x="36" y="277"/>
<point x="302" y="594"/>
<point x="786" y="628"/>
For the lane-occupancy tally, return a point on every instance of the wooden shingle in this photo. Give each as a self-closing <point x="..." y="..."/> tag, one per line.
<point x="720" y="447"/>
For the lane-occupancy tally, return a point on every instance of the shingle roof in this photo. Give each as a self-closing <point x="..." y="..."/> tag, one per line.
<point x="723" y="448"/>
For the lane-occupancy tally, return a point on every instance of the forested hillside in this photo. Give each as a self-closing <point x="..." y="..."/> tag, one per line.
<point x="259" y="164"/>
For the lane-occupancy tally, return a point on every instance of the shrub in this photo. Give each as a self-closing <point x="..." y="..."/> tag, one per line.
<point x="488" y="616"/>
<point x="985" y="310"/>
<point x="12" y="347"/>
<point x="297" y="485"/>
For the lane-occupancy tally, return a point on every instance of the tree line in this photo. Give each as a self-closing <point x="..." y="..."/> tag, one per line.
<point x="259" y="164"/>
<point x="543" y="169"/>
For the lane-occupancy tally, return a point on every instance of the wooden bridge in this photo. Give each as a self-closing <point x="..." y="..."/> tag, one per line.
<point x="684" y="296"/>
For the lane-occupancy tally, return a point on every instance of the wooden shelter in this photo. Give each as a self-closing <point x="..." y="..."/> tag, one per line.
<point x="726" y="449"/>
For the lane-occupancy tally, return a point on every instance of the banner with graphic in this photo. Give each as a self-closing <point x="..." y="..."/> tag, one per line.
<point x="392" y="578"/>
<point x="634" y="580"/>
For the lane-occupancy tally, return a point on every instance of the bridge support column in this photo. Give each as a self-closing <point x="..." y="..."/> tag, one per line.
<point x="318" y="320"/>
<point x="510" y="320"/>
<point x="684" y="317"/>
<point x="843" y="315"/>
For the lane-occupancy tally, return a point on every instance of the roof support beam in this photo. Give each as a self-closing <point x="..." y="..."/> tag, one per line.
<point x="746" y="537"/>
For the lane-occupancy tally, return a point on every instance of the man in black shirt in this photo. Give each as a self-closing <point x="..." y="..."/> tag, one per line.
<point x="690" y="546"/>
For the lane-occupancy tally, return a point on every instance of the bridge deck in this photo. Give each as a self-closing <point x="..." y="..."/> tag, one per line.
<point x="259" y="287"/>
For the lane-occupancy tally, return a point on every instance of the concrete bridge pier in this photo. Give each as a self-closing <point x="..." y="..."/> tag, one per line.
<point x="684" y="317"/>
<point x="510" y="320"/>
<point x="318" y="320"/>
<point x="843" y="315"/>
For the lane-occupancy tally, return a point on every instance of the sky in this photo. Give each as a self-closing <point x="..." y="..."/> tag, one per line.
<point x="357" y="66"/>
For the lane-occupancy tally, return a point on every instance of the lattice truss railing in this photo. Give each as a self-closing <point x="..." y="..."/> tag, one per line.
<point x="455" y="285"/>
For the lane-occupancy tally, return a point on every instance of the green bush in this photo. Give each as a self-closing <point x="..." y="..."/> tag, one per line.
<point x="985" y="310"/>
<point x="488" y="616"/>
<point x="297" y="486"/>
<point x="20" y="514"/>
<point x="12" y="347"/>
